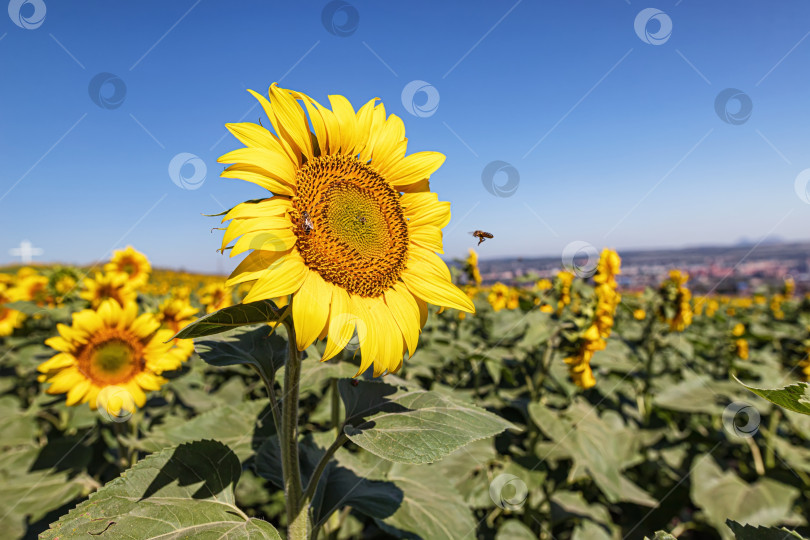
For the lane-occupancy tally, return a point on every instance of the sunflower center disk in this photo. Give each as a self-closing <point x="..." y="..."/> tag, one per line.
<point x="359" y="236"/>
<point x="112" y="359"/>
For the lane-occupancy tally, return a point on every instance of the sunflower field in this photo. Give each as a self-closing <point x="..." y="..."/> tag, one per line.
<point x="560" y="409"/>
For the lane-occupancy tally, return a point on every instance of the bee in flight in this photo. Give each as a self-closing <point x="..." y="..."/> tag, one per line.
<point x="306" y="222"/>
<point x="481" y="235"/>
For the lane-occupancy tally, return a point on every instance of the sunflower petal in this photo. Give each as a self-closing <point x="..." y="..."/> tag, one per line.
<point x="341" y="323"/>
<point x="310" y="310"/>
<point x="284" y="277"/>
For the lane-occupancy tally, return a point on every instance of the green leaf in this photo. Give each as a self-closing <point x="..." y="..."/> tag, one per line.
<point x="513" y="529"/>
<point x="242" y="427"/>
<point x="182" y="492"/>
<point x="749" y="532"/>
<point x="601" y="448"/>
<point x="429" y="508"/>
<point x="723" y="495"/>
<point x="412" y="426"/>
<point x="339" y="486"/>
<point x="225" y="319"/>
<point x="795" y="397"/>
<point x="252" y="346"/>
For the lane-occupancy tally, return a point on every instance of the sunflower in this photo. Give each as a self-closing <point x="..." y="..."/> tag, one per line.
<point x="175" y="314"/>
<point x="9" y="318"/>
<point x="352" y="228"/>
<point x="132" y="263"/>
<point x="109" y="347"/>
<point x="109" y="285"/>
<point x="215" y="296"/>
<point x="34" y="288"/>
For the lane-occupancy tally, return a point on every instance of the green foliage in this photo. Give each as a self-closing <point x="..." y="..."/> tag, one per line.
<point x="183" y="491"/>
<point x="225" y="319"/>
<point x="794" y="397"/>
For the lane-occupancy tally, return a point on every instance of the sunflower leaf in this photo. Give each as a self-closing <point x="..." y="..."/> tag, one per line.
<point x="412" y="426"/>
<point x="749" y="532"/>
<point x="262" y="311"/>
<point x="256" y="347"/>
<point x="183" y="491"/>
<point x="795" y="397"/>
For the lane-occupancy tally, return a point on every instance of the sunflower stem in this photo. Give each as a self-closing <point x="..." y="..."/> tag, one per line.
<point x="327" y="457"/>
<point x="336" y="408"/>
<point x="271" y="393"/>
<point x="297" y="511"/>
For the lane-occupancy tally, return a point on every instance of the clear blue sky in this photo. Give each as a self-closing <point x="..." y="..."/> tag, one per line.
<point x="616" y="141"/>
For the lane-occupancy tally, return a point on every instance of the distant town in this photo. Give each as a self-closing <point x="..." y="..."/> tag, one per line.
<point x="737" y="269"/>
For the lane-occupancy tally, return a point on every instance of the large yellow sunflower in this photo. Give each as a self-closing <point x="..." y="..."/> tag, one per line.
<point x="352" y="228"/>
<point x="132" y="263"/>
<point x="109" y="347"/>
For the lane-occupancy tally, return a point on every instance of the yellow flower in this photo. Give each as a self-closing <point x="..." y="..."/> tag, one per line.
<point x="471" y="268"/>
<point x="564" y="280"/>
<point x="503" y="297"/>
<point x="216" y="296"/>
<point x="608" y="268"/>
<point x="741" y="347"/>
<point x="33" y="288"/>
<point x="110" y="285"/>
<point x="112" y="347"/>
<point x="132" y="263"/>
<point x="351" y="231"/>
<point x="9" y="318"/>
<point x="175" y="314"/>
<point x="790" y="287"/>
<point x="639" y="314"/>
<point x="738" y="330"/>
<point x="543" y="285"/>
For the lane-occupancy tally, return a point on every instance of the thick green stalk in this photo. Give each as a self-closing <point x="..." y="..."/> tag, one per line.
<point x="297" y="518"/>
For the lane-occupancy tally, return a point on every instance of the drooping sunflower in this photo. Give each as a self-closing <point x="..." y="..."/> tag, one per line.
<point x="351" y="229"/>
<point x="111" y="346"/>
<point x="132" y="263"/>
<point x="109" y="285"/>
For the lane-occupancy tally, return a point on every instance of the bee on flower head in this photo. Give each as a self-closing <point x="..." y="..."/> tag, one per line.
<point x="306" y="222"/>
<point x="481" y="235"/>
